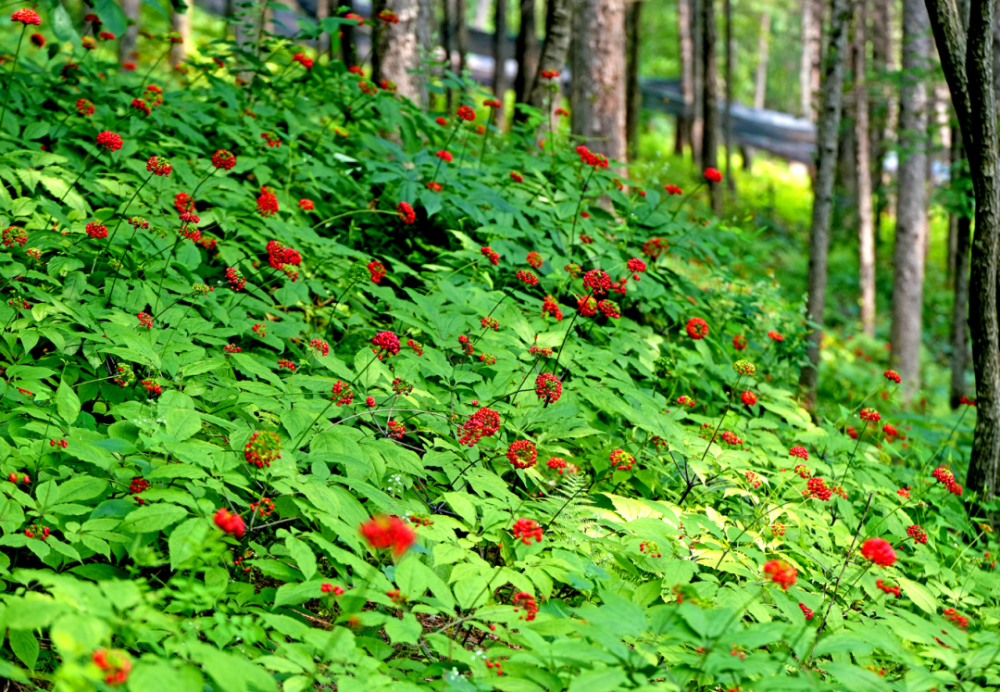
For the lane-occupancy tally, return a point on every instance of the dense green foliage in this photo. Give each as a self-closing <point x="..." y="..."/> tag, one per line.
<point x="648" y="576"/>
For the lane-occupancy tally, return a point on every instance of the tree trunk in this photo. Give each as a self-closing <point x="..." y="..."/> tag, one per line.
<point x="396" y="53"/>
<point x="911" y="209"/>
<point x="685" y="33"/>
<point x="500" y="60"/>
<point x="826" y="160"/>
<point x="348" y="48"/>
<point x="448" y="43"/>
<point x="558" y="26"/>
<point x="461" y="36"/>
<point x="968" y="67"/>
<point x="763" y="53"/>
<point x="126" y="47"/>
<point x="598" y="85"/>
<point x="866" y="232"/>
<point x="878" y="107"/>
<point x="426" y="48"/>
<point x="960" y="281"/>
<point x="633" y="28"/>
<point x="181" y="23"/>
<point x="527" y="53"/>
<point x="809" y="67"/>
<point x="710" y="101"/>
<point x="698" y="117"/>
<point x="322" y="12"/>
<point x="727" y="118"/>
<point x="482" y="14"/>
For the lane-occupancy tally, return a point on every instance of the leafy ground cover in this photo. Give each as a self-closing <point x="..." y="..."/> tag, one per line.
<point x="304" y="386"/>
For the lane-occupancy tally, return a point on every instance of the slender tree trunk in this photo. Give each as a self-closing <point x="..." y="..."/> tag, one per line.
<point x="130" y="8"/>
<point x="826" y="149"/>
<point x="763" y="53"/>
<point x="558" y="27"/>
<point x="968" y="67"/>
<point x="633" y="29"/>
<point x="698" y="124"/>
<point x="866" y="231"/>
<point x="710" y="101"/>
<point x="448" y="39"/>
<point x="960" y="282"/>
<point x="348" y="48"/>
<point x="527" y="53"/>
<point x="181" y="23"/>
<point x="727" y="121"/>
<point x="461" y="36"/>
<point x="685" y="30"/>
<point x="322" y="12"/>
<point x="500" y="60"/>
<point x="879" y="105"/>
<point x="809" y="67"/>
<point x="598" y="86"/>
<point x="426" y="48"/>
<point x="482" y="14"/>
<point x="911" y="209"/>
<point x="396" y="54"/>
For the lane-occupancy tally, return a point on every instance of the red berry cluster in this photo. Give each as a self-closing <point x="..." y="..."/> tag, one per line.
<point x="401" y="387"/>
<point x="267" y="202"/>
<point x="651" y="548"/>
<point x="879" y="551"/>
<point x="685" y="400"/>
<point x="753" y="479"/>
<point x="551" y="308"/>
<point x="303" y="60"/>
<point x="223" y="159"/>
<point x="384" y="532"/>
<point x="146" y="320"/>
<point x="14" y="234"/>
<point x="805" y="611"/>
<point x="386" y="342"/>
<point x="526" y="530"/>
<point x="548" y="387"/>
<point x="816" y="487"/>
<point x="287" y="364"/>
<point x="917" y="534"/>
<point x="319" y="347"/>
<point x="777" y="529"/>
<point x="262" y="508"/>
<point x="527" y="278"/>
<point x="35" y="532"/>
<point x="870" y="415"/>
<point x="522" y="454"/>
<point x="490" y="254"/>
<point x="557" y="464"/>
<point x="230" y="349"/>
<point x="541" y="352"/>
<point x="137" y="486"/>
<point x="947" y="479"/>
<point x="15" y="479"/>
<point x="739" y="342"/>
<point x="271" y="139"/>
<point x="342" y="393"/>
<point x="59" y="443"/>
<point x="377" y="270"/>
<point x="956" y="618"/>
<point x="535" y="259"/>
<point x="904" y="493"/>
<point x="115" y="663"/>
<point x="262" y="448"/>
<point x="609" y="309"/>
<point x="622" y="460"/>
<point x="490" y="323"/>
<point x="800" y="452"/>
<point x="654" y="247"/>
<point x="444" y="155"/>
<point x="587" y="157"/>
<point x="236" y="279"/>
<point x="893" y="376"/>
<point x="26" y="16"/>
<point x="396" y="429"/>
<point x="109" y="140"/>
<point x="597" y="281"/>
<point x="306" y="204"/>
<point x="697" y="328"/>
<point x="748" y="398"/>
<point x="483" y="423"/>
<point x="526" y="601"/>
<point x="781" y="573"/>
<point x="97" y="231"/>
<point x="231" y="523"/>
<point x="152" y="387"/>
<point x="803" y="471"/>
<point x="895" y="590"/>
<point x="729" y="437"/>
<point x="327" y="587"/>
<point x="157" y="165"/>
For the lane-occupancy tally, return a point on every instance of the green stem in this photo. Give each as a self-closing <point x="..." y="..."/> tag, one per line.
<point x="10" y="80"/>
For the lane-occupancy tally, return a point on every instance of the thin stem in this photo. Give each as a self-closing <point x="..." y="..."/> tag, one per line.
<point x="10" y="79"/>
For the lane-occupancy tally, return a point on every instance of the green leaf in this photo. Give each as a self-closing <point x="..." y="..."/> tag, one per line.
<point x="186" y="541"/>
<point x="67" y="403"/>
<point x="602" y="680"/>
<point x="411" y="576"/>
<point x="25" y="646"/>
<point x="112" y="16"/>
<point x="183" y="423"/>
<point x="406" y="630"/>
<point x="294" y="594"/>
<point x="303" y="555"/>
<point x="62" y="25"/>
<point x="919" y="594"/>
<point x="153" y="518"/>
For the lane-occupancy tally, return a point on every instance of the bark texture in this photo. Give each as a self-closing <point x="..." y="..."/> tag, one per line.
<point x="181" y="23"/>
<point x="130" y="8"/>
<point x="396" y="51"/>
<point x="558" y="25"/>
<point x="727" y="116"/>
<point x="968" y="66"/>
<point x="710" y="101"/>
<point x="960" y="285"/>
<point x="527" y="51"/>
<point x="425" y="46"/>
<point x="866" y="231"/>
<point x="633" y="31"/>
<point x="685" y="32"/>
<point x="763" y="54"/>
<point x="500" y="60"/>
<point x="598" y="86"/>
<point x="880" y="107"/>
<point x="698" y="105"/>
<point x="826" y="160"/>
<point x="809" y="66"/>
<point x="911" y="209"/>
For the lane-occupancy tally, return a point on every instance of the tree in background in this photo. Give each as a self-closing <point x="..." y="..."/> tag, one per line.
<point x="396" y="56"/>
<point x="130" y="8"/>
<point x="558" y="26"/>
<point x="911" y="212"/>
<point x="967" y="60"/>
<point x="685" y="30"/>
<point x="809" y="67"/>
<point x="633" y="33"/>
<point x="527" y="52"/>
<point x="880" y="108"/>
<point x="181" y="23"/>
<point x="862" y="142"/>
<point x="710" y="101"/>
<point x="598" y="85"/>
<point x="500" y="59"/>
<point x="826" y="159"/>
